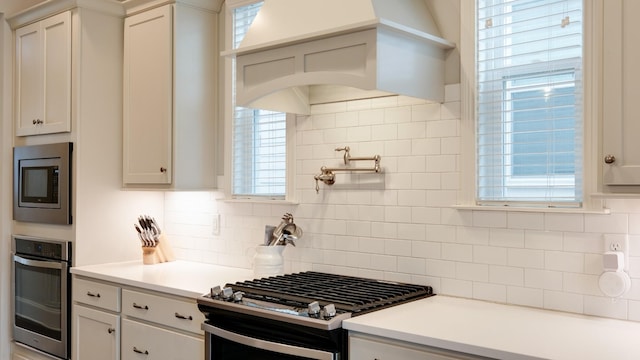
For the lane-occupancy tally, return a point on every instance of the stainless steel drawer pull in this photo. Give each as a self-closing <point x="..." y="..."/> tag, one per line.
<point x="135" y="350"/>
<point x="89" y="293"/>
<point x="143" y="307"/>
<point x="179" y="316"/>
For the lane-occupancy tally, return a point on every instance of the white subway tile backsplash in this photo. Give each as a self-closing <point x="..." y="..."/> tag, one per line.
<point x="525" y="296"/>
<point x="489" y="255"/>
<point x="506" y="275"/>
<point x="546" y="240"/>
<point x="457" y="252"/>
<point x="612" y="223"/>
<point x="490" y="292"/>
<point x="493" y="219"/>
<point x="527" y="258"/>
<point x="562" y="301"/>
<point x="581" y="284"/>
<point x="455" y="287"/>
<point x="411" y="265"/>
<point x="397" y="247"/>
<point x="411" y="231"/>
<point x="441" y="268"/>
<point x="400" y="225"/>
<point x="472" y="272"/>
<point x="564" y="261"/>
<point x="564" y="222"/>
<point x="601" y="306"/>
<point x="525" y="220"/>
<point x="506" y="237"/>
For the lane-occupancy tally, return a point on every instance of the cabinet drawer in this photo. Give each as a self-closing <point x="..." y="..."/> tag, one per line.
<point x="370" y="348"/>
<point x="142" y="341"/>
<point x="176" y="313"/>
<point x="97" y="294"/>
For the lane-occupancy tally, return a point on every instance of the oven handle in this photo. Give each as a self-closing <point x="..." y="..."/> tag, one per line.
<point x="268" y="345"/>
<point x="36" y="263"/>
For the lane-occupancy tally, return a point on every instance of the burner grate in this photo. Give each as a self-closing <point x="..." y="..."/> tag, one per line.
<point x="348" y="293"/>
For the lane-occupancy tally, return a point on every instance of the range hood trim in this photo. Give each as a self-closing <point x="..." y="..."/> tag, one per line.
<point x="365" y="25"/>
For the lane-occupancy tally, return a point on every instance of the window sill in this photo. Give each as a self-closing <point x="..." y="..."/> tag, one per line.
<point x="261" y="201"/>
<point x="602" y="211"/>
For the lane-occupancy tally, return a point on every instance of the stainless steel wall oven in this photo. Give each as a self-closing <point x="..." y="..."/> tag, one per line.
<point x="41" y="290"/>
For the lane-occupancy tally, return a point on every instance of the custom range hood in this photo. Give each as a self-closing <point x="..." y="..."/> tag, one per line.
<point x="300" y="52"/>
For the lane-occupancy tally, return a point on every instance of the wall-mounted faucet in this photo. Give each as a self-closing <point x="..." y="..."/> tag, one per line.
<point x="328" y="176"/>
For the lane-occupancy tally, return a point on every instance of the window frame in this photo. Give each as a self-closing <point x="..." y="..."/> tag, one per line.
<point x="228" y="102"/>
<point x="592" y="201"/>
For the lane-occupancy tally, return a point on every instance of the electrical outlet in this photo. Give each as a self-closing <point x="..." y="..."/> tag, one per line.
<point x="215" y="224"/>
<point x="618" y="242"/>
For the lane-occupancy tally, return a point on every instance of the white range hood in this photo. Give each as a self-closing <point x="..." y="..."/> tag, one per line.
<point x="299" y="52"/>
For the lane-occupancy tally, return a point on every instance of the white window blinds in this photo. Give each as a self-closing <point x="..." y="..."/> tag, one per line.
<point x="529" y="105"/>
<point x="259" y="136"/>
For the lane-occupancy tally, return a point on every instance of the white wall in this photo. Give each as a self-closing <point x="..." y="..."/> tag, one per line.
<point x="400" y="226"/>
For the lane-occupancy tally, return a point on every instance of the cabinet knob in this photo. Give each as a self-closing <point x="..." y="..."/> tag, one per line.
<point x="35" y="121"/>
<point x="111" y="330"/>
<point x="609" y="159"/>
<point x="163" y="169"/>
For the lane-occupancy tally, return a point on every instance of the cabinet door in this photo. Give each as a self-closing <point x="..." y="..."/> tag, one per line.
<point x="148" y="101"/>
<point x="56" y="52"/>
<point x="621" y="93"/>
<point x="29" y="92"/>
<point x="142" y="341"/>
<point x="95" y="334"/>
<point x="43" y="76"/>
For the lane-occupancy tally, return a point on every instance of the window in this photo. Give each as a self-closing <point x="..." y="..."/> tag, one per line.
<point x="529" y="102"/>
<point x="259" y="148"/>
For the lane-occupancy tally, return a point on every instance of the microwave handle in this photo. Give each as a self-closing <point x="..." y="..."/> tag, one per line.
<point x="36" y="263"/>
<point x="268" y="345"/>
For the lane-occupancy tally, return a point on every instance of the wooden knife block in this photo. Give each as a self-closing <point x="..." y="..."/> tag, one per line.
<point x="160" y="253"/>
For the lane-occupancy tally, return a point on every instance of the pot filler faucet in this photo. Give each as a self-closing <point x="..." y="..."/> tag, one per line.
<point x="328" y="175"/>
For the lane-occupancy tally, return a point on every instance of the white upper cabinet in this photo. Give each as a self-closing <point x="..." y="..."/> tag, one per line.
<point x="620" y="126"/>
<point x="170" y="105"/>
<point x="43" y="76"/>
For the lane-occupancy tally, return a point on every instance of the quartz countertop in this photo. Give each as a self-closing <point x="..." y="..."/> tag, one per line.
<point x="182" y="278"/>
<point x="502" y="331"/>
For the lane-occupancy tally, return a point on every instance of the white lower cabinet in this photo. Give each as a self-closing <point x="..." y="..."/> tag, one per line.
<point x="97" y="334"/>
<point x="116" y="321"/>
<point x="144" y="341"/>
<point x="367" y="347"/>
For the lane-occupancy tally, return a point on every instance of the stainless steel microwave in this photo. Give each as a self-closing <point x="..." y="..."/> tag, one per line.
<point x="42" y="183"/>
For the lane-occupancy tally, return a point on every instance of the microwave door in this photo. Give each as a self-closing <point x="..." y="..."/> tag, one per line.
<point x="39" y="184"/>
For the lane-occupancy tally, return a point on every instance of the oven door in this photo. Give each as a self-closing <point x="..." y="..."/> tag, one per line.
<point x="40" y="293"/>
<point x="222" y="344"/>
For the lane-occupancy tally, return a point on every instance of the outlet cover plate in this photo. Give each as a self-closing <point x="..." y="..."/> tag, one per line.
<point x="618" y="242"/>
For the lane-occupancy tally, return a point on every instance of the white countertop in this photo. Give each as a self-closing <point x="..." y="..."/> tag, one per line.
<point x="182" y="278"/>
<point x="502" y="331"/>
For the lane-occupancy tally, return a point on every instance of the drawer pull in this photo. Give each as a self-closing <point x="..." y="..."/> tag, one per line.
<point x="135" y="350"/>
<point x="111" y="330"/>
<point x="143" y="307"/>
<point x="96" y="295"/>
<point x="180" y="316"/>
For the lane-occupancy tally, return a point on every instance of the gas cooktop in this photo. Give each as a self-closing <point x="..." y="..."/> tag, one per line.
<point x="311" y="298"/>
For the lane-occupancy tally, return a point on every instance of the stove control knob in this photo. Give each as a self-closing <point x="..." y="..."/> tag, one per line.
<point x="215" y="292"/>
<point x="237" y="296"/>
<point x="313" y="309"/>
<point x="329" y="311"/>
<point x="227" y="293"/>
